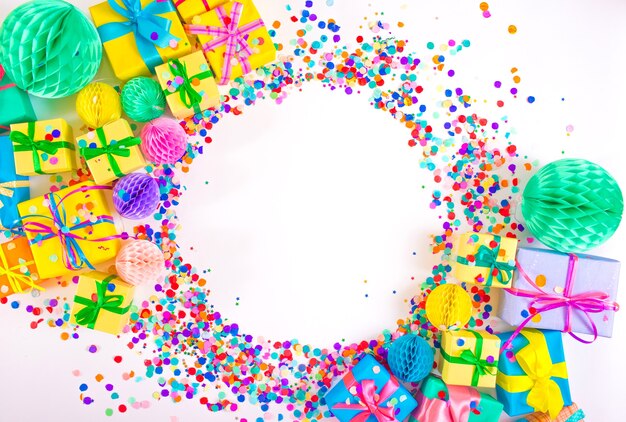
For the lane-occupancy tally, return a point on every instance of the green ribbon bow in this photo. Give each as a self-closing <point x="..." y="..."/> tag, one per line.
<point x="26" y="142"/>
<point x="111" y="303"/>
<point x="188" y="95"/>
<point x="488" y="258"/>
<point x="119" y="149"/>
<point x="469" y="357"/>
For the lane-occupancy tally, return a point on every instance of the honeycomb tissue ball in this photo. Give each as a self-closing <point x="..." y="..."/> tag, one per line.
<point x="49" y="48"/>
<point x="572" y="205"/>
<point x="448" y="306"/>
<point x="140" y="262"/>
<point x="143" y="99"/>
<point x="411" y="358"/>
<point x="136" y="196"/>
<point x="163" y="141"/>
<point x="98" y="104"/>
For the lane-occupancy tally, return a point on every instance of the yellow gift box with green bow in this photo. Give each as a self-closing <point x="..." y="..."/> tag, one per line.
<point x="532" y="374"/>
<point x="18" y="273"/>
<point x="102" y="302"/>
<point x="111" y="151"/>
<point x="485" y="259"/>
<point x="43" y="147"/>
<point x="188" y="85"/>
<point x="469" y="358"/>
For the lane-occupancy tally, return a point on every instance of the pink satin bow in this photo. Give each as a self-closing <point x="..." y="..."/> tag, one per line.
<point x="588" y="302"/>
<point x="230" y="34"/>
<point x="2" y="75"/>
<point x="456" y="409"/>
<point x="370" y="403"/>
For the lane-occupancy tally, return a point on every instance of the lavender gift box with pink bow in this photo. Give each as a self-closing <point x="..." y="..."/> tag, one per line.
<point x="565" y="292"/>
<point x="369" y="393"/>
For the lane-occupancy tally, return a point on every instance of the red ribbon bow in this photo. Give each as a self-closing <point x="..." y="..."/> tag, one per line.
<point x="370" y="403"/>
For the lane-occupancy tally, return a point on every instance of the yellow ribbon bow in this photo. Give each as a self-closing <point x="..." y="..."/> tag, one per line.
<point x="544" y="394"/>
<point x="15" y="277"/>
<point x="6" y="188"/>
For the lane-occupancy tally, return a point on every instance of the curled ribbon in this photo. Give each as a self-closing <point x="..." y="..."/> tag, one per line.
<point x="26" y="142"/>
<point x="544" y="394"/>
<point x="112" y="303"/>
<point x="15" y="277"/>
<point x="73" y="256"/>
<point x="469" y="357"/>
<point x="7" y="188"/>
<point x="2" y="75"/>
<point x="150" y="30"/>
<point x="457" y="408"/>
<point x="488" y="258"/>
<point x="188" y="95"/>
<point x="119" y="149"/>
<point x="588" y="302"/>
<point x="370" y="403"/>
<point x="231" y="35"/>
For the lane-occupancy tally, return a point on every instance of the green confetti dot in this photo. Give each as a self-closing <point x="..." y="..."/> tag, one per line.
<point x="108" y="412"/>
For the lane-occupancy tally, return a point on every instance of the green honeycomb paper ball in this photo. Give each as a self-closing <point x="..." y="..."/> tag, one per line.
<point x="49" y="48"/>
<point x="410" y="358"/>
<point x="572" y="205"/>
<point x="143" y="99"/>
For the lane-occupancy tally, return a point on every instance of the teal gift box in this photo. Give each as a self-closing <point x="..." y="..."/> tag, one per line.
<point x="13" y="188"/>
<point x="532" y="374"/>
<point x="369" y="386"/>
<point x="15" y="106"/>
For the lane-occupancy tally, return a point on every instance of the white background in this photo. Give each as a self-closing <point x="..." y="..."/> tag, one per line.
<point x="294" y="220"/>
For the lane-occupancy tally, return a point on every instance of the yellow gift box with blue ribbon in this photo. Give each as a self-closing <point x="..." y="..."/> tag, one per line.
<point x="102" y="302"/>
<point x="485" y="259"/>
<point x="70" y="229"/>
<point x="139" y="35"/>
<point x="18" y="273"/>
<point x="43" y="147"/>
<point x="111" y="151"/>
<point x="469" y="358"/>
<point x="532" y="375"/>
<point x="188" y="85"/>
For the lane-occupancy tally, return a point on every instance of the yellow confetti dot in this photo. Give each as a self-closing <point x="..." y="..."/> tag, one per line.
<point x="536" y="318"/>
<point x="512" y="29"/>
<point x="540" y="280"/>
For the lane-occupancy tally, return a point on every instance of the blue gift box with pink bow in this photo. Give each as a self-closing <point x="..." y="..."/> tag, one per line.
<point x="369" y="393"/>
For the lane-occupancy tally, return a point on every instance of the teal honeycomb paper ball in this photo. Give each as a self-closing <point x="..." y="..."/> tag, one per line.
<point x="143" y="99"/>
<point x="411" y="358"/>
<point x="572" y="205"/>
<point x="49" y="48"/>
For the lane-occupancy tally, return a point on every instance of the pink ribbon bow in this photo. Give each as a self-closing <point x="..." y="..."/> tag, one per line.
<point x="231" y="35"/>
<point x="456" y="409"/>
<point x="370" y="403"/>
<point x="2" y="75"/>
<point x="588" y="302"/>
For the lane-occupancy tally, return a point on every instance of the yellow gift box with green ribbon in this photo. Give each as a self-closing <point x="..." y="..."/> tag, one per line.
<point x="18" y="273"/>
<point x="111" y="151"/>
<point x="532" y="374"/>
<point x="102" y="302"/>
<point x="485" y="259"/>
<point x="43" y="147"/>
<point x="188" y="85"/>
<point x="469" y="358"/>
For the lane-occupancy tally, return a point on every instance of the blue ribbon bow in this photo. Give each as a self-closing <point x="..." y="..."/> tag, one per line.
<point x="150" y="29"/>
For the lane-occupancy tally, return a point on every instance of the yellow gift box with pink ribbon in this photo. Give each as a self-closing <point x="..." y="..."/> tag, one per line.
<point x="18" y="273"/>
<point x="234" y="39"/>
<point x="188" y="9"/>
<point x="532" y="374"/>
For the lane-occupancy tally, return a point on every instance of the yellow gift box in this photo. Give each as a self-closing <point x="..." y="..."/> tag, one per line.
<point x="190" y="8"/>
<point x="253" y="45"/>
<point x="188" y="85"/>
<point x="111" y="151"/>
<point x="102" y="302"/>
<point x="43" y="147"/>
<point x="70" y="229"/>
<point x="18" y="272"/>
<point x="485" y="259"/>
<point x="139" y="38"/>
<point x="469" y="358"/>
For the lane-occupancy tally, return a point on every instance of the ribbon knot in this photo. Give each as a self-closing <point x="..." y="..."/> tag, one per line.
<point x="102" y="301"/>
<point x="370" y="402"/>
<point x="26" y="142"/>
<point x="120" y="149"/>
<point x="472" y="357"/>
<point x="482" y="367"/>
<point x="488" y="258"/>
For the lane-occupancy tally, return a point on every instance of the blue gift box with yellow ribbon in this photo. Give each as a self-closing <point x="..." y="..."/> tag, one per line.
<point x="13" y="188"/>
<point x="532" y="374"/>
<point x="368" y="393"/>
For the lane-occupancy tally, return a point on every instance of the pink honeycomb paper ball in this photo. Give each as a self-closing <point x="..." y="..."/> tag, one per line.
<point x="163" y="141"/>
<point x="140" y="261"/>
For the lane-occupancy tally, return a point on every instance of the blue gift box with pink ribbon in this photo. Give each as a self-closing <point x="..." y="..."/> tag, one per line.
<point x="369" y="393"/>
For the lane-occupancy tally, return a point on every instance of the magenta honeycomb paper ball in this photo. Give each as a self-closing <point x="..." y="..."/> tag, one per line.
<point x="136" y="196"/>
<point x="163" y="141"/>
<point x="140" y="262"/>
